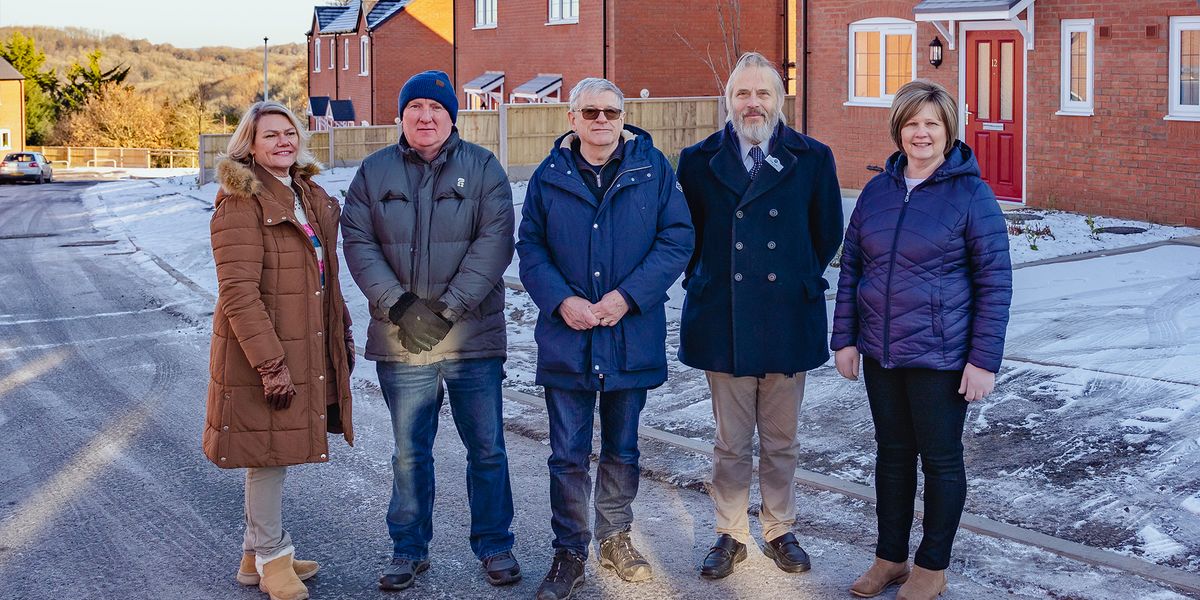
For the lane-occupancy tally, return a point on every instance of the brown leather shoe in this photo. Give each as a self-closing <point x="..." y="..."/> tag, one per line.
<point x="883" y="573"/>
<point x="279" y="580"/>
<point x="923" y="584"/>
<point x="248" y="575"/>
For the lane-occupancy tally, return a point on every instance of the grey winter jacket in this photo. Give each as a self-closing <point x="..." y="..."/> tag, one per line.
<point x="442" y="230"/>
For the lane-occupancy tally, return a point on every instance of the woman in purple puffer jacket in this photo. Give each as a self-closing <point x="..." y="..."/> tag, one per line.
<point x="923" y="298"/>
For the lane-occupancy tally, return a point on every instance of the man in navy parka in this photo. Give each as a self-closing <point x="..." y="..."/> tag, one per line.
<point x="605" y="232"/>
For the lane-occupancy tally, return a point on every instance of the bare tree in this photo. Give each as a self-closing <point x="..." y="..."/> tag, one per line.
<point x="729" y="23"/>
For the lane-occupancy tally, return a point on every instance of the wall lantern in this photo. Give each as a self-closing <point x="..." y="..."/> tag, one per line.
<point x="935" y="52"/>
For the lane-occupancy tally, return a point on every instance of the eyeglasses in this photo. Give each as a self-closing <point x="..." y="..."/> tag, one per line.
<point x="591" y="114"/>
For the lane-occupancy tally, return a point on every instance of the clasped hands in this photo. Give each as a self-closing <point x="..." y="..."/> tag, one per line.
<point x="582" y="315"/>
<point x="420" y="322"/>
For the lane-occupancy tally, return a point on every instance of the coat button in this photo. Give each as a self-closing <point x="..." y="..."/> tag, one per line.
<point x="770" y="245"/>
<point x="226" y="394"/>
<point x="320" y="333"/>
<point x="737" y="276"/>
<point x="222" y="459"/>
<point x="568" y="172"/>
<point x="596" y="368"/>
<point x="595" y="226"/>
<point x="773" y="212"/>
<point x="318" y="293"/>
<point x="322" y="457"/>
<point x="268" y="220"/>
<point x="225" y="428"/>
<point x="322" y="417"/>
<point x="770" y="277"/>
<point x="596" y="274"/>
<point x="738" y="245"/>
<point x="322" y="377"/>
<point x="739" y="214"/>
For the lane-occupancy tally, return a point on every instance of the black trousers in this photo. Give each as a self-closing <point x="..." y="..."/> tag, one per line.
<point x="917" y="412"/>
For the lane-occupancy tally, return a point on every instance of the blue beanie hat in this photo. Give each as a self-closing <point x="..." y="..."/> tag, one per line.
<point x="434" y="85"/>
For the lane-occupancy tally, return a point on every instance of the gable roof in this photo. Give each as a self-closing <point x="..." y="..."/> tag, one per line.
<point x="318" y="106"/>
<point x="962" y="6"/>
<point x="343" y="110"/>
<point x="347" y="21"/>
<point x="384" y="10"/>
<point x="8" y="73"/>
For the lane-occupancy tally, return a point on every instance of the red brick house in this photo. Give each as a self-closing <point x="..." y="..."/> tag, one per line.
<point x="539" y="49"/>
<point x="363" y="52"/>
<point x="1083" y="105"/>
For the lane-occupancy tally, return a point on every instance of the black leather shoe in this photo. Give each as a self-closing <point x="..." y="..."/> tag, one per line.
<point x="722" y="557"/>
<point x="787" y="554"/>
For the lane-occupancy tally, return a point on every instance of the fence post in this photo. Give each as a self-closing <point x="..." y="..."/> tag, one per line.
<point x="503" y="145"/>
<point x="68" y="157"/>
<point x="332" y="148"/>
<point x="722" y="113"/>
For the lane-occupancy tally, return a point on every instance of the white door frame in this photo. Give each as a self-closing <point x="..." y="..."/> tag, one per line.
<point x="964" y="27"/>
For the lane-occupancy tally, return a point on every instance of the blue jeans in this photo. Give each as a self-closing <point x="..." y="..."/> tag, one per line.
<point x="413" y="397"/>
<point x="917" y="412"/>
<point x="571" y="418"/>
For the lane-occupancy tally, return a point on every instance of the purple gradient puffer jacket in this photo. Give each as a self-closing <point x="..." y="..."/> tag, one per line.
<point x="926" y="278"/>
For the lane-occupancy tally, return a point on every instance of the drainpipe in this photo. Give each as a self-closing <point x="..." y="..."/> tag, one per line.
<point x="804" y="69"/>
<point x="604" y="42"/>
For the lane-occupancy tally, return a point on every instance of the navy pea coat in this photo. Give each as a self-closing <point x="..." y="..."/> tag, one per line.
<point x="755" y="299"/>
<point x="637" y="239"/>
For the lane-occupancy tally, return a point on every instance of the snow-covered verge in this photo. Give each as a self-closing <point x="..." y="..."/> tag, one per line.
<point x="1092" y="434"/>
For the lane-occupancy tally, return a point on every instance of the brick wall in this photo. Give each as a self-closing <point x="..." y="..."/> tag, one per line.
<point x="523" y="45"/>
<point x="352" y="86"/>
<point x="1123" y="161"/>
<point x="417" y="39"/>
<point x="324" y="82"/>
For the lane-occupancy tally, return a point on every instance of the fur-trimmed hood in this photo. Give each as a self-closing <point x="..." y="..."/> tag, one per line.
<point x="240" y="179"/>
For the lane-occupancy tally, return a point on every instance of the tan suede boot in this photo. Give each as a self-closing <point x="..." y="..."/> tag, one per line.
<point x="923" y="584"/>
<point x="882" y="574"/>
<point x="280" y="582"/>
<point x="248" y="575"/>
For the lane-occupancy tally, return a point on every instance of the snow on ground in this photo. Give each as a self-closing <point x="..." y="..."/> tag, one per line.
<point x="1092" y="434"/>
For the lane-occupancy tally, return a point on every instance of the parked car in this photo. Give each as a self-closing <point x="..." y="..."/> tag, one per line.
<point x="28" y="166"/>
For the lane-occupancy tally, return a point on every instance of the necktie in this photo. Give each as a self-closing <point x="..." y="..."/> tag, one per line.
<point x="756" y="154"/>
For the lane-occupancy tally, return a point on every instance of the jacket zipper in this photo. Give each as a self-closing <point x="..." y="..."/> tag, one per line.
<point x="887" y="308"/>
<point x="619" y="176"/>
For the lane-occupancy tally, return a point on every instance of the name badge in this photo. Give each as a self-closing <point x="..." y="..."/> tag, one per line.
<point x="774" y="162"/>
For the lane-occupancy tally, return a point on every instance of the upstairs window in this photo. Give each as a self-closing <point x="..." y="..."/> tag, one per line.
<point x="317" y="55"/>
<point x="364" y="47"/>
<point x="563" y="11"/>
<point x="346" y="54"/>
<point x="485" y="14"/>
<point x="882" y="58"/>
<point x="332" y="52"/>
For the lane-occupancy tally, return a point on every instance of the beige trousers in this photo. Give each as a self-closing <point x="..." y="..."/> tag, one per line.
<point x="265" y="535"/>
<point x="772" y="405"/>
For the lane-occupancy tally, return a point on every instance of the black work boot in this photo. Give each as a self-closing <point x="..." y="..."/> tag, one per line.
<point x="566" y="574"/>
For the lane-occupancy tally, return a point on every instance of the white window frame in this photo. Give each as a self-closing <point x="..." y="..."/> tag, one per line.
<point x="562" y="12"/>
<point x="5" y="139"/>
<point x="485" y="14"/>
<point x="885" y="26"/>
<point x="1178" y="111"/>
<point x="332" y="54"/>
<point x="1067" y="106"/>
<point x="345" y="54"/>
<point x="317" y="50"/>
<point x="364" y="48"/>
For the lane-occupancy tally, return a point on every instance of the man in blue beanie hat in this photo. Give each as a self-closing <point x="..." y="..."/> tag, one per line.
<point x="428" y="232"/>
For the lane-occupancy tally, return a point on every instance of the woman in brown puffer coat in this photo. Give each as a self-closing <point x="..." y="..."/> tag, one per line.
<point x="281" y="348"/>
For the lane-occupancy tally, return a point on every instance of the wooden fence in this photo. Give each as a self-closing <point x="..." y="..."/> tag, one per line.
<point x="520" y="135"/>
<point x="90" y="156"/>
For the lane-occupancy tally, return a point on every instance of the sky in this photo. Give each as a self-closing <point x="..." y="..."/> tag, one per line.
<point x="181" y="23"/>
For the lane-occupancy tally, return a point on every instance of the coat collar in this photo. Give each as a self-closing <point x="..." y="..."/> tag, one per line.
<point x="559" y="168"/>
<point x="251" y="180"/>
<point x="729" y="169"/>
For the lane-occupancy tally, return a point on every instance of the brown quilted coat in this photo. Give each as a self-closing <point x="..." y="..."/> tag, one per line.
<point x="270" y="304"/>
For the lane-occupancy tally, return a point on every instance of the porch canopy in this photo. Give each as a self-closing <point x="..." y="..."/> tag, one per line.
<point x="485" y="91"/>
<point x="539" y="89"/>
<point x="945" y="14"/>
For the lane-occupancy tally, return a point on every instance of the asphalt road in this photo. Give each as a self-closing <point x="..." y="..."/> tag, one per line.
<point x="104" y="492"/>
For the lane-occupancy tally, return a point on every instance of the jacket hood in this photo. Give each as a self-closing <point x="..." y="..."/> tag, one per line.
<point x="239" y="179"/>
<point x="637" y="141"/>
<point x="960" y="162"/>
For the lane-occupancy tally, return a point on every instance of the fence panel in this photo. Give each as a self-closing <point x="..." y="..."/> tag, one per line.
<point x="674" y="123"/>
<point x="352" y="144"/>
<point x="126" y="158"/>
<point x="480" y="127"/>
<point x="532" y="129"/>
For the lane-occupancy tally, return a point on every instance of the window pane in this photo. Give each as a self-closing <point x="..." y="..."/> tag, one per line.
<point x="983" y="88"/>
<point x="899" y="61"/>
<point x="866" y="64"/>
<point x="1078" y="66"/>
<point x="1006" y="81"/>
<point x="1189" y="68"/>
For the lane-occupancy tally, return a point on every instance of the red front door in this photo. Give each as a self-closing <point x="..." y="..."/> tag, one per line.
<point x="995" y="108"/>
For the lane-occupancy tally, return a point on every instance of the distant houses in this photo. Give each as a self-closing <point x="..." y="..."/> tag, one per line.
<point x="12" y="108"/>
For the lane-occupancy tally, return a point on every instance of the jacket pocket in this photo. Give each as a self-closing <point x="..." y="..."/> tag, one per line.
<point x="560" y="348"/>
<point x="814" y="288"/>
<point x="935" y="308"/>
<point x="644" y="343"/>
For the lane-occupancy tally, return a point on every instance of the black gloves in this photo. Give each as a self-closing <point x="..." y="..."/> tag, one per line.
<point x="277" y="383"/>
<point x="420" y="322"/>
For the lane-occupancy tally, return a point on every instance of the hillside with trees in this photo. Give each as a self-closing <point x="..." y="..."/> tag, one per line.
<point x="90" y="88"/>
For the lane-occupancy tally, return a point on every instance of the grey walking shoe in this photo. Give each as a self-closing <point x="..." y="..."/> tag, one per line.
<point x="502" y="568"/>
<point x="401" y="573"/>
<point x="617" y="553"/>
<point x="566" y="574"/>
